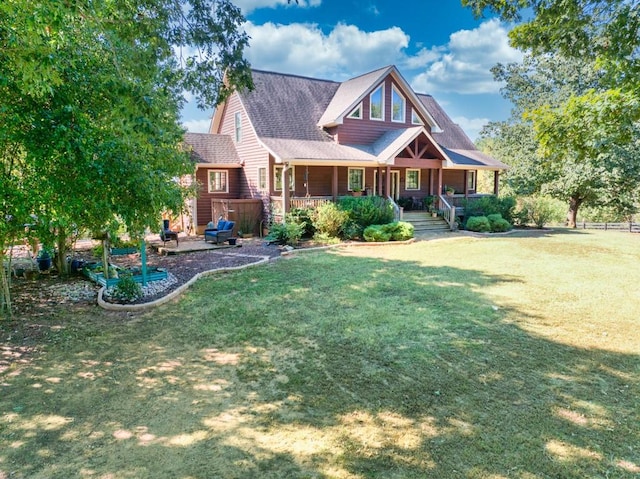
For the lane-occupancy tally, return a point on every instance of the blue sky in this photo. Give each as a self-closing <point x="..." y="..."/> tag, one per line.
<point x="438" y="46"/>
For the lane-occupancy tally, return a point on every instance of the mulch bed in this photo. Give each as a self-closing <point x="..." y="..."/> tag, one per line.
<point x="34" y="297"/>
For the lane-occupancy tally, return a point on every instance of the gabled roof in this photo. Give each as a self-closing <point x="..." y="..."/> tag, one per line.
<point x="288" y="106"/>
<point x="352" y="92"/>
<point x="212" y="149"/>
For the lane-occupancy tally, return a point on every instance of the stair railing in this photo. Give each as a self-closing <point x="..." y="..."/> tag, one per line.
<point x="448" y="212"/>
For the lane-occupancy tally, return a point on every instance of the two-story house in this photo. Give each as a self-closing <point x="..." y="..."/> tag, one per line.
<point x="319" y="140"/>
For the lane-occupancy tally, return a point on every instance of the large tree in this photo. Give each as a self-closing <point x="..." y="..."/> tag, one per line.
<point x="90" y="95"/>
<point x="563" y="139"/>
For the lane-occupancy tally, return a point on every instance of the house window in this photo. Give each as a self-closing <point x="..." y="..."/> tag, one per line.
<point x="262" y="178"/>
<point x="415" y="119"/>
<point x="218" y="181"/>
<point x="238" y="127"/>
<point x="277" y="178"/>
<point x="413" y="180"/>
<point x="356" y="179"/>
<point x="376" y="104"/>
<point x="397" y="106"/>
<point x="357" y="113"/>
<point x="471" y="180"/>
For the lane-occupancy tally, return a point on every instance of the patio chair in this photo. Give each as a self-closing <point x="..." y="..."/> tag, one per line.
<point x="166" y="234"/>
<point x="221" y="233"/>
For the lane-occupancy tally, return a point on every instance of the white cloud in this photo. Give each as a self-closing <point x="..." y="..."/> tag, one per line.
<point x="304" y="49"/>
<point x="197" y="126"/>
<point x="471" y="126"/>
<point x="248" y="6"/>
<point x="465" y="62"/>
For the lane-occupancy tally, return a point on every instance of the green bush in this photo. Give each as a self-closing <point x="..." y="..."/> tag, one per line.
<point x="302" y="216"/>
<point x="498" y="223"/>
<point x="539" y="211"/>
<point x="329" y="220"/>
<point x="376" y="233"/>
<point x="365" y="211"/>
<point x="396" y="231"/>
<point x="489" y="205"/>
<point x="127" y="289"/>
<point x="289" y="233"/>
<point x="478" y="223"/>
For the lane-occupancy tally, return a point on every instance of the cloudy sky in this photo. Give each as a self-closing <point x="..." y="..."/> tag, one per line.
<point x="437" y="45"/>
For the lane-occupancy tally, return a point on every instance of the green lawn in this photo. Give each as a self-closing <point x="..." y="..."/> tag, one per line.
<point x="508" y="357"/>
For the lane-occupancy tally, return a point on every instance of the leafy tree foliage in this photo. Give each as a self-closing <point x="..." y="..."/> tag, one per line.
<point x="568" y="137"/>
<point x="90" y="94"/>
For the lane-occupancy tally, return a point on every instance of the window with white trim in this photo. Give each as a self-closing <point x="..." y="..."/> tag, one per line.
<point x="238" y="127"/>
<point x="412" y="180"/>
<point x="471" y="180"/>
<point x="277" y="178"/>
<point x="262" y="178"/>
<point x="376" y="104"/>
<point x="398" y="106"/>
<point x="415" y="119"/>
<point x="356" y="113"/>
<point x="356" y="179"/>
<point x="218" y="181"/>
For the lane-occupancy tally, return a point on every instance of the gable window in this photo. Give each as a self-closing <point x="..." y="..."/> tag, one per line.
<point x="277" y="178"/>
<point x="413" y="180"/>
<point x="238" y="127"/>
<point x="218" y="181"/>
<point x="415" y="119"/>
<point x="397" y="106"/>
<point x="262" y="178"/>
<point x="356" y="179"/>
<point x="356" y="113"/>
<point x="376" y="104"/>
<point x="471" y="180"/>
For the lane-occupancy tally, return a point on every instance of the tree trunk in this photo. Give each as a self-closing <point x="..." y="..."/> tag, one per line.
<point x="5" y="290"/>
<point x="572" y="214"/>
<point x="61" y="258"/>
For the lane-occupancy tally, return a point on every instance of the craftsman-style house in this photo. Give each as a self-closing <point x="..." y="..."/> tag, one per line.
<point x="319" y="140"/>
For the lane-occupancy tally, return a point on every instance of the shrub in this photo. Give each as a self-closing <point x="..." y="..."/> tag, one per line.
<point x="498" y="223"/>
<point x="489" y="205"/>
<point x="540" y="210"/>
<point x="329" y="220"/>
<point x="365" y="211"/>
<point x="127" y="289"/>
<point x="478" y="223"/>
<point x="396" y="231"/>
<point x="376" y="233"/>
<point x="288" y="233"/>
<point x="302" y="216"/>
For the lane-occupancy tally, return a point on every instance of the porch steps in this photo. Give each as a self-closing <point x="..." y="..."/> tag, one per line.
<point x="424" y="223"/>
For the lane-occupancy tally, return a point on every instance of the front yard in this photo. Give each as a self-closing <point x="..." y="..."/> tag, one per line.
<point x="506" y="357"/>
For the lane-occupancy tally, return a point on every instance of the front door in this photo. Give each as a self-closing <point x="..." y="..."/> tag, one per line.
<point x="395" y="184"/>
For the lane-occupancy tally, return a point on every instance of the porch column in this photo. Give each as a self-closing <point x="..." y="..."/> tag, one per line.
<point x="466" y="183"/>
<point x="334" y="183"/>
<point x="379" y="181"/>
<point x="286" y="199"/>
<point x="387" y="181"/>
<point x="439" y="181"/>
<point x="496" y="182"/>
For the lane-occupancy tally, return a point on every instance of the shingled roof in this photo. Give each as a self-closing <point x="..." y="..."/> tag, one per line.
<point x="214" y="149"/>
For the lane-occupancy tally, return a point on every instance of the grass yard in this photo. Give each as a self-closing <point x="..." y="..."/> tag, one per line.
<point x="509" y="357"/>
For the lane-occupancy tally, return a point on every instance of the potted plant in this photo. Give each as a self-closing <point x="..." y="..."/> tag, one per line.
<point x="356" y="191"/>
<point x="449" y="190"/>
<point x="45" y="255"/>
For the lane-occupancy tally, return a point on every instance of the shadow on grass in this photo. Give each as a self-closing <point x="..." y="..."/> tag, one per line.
<point x="320" y="367"/>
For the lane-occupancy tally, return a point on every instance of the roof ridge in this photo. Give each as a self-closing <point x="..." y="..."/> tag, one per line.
<point x="293" y="75"/>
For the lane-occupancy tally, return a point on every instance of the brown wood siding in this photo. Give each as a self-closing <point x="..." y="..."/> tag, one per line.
<point x="203" y="206"/>
<point x="366" y="131"/>
<point x="454" y="178"/>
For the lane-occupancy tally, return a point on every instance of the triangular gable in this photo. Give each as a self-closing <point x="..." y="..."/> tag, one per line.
<point x="353" y="91"/>
<point x="394" y="142"/>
